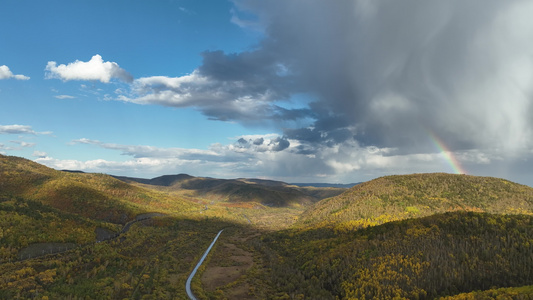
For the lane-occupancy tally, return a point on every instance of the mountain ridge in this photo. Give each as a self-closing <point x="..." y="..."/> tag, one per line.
<point x="266" y="192"/>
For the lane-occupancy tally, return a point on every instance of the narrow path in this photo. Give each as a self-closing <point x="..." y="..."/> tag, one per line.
<point x="188" y="284"/>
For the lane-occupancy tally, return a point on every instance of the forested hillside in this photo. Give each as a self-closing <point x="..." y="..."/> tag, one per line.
<point x="410" y="196"/>
<point x="443" y="254"/>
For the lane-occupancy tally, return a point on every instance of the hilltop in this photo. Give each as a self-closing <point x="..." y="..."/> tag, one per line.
<point x="407" y="196"/>
<point x="266" y="192"/>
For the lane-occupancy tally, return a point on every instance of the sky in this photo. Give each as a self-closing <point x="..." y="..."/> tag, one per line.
<point x="298" y="91"/>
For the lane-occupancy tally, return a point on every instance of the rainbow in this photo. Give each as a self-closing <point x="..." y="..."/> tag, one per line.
<point x="448" y="155"/>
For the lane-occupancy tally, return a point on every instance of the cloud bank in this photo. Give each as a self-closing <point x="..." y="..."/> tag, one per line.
<point x="262" y="156"/>
<point x="95" y="69"/>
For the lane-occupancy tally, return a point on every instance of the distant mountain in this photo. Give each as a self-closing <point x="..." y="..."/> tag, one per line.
<point x="166" y="180"/>
<point x="405" y="196"/>
<point x="266" y="192"/>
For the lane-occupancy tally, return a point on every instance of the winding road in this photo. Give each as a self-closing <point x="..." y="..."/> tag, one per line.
<point x="188" y="283"/>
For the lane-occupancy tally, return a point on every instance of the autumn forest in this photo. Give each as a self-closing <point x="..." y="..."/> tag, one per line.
<point x="74" y="235"/>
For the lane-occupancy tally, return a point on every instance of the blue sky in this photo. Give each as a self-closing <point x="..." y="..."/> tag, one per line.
<point x="290" y="90"/>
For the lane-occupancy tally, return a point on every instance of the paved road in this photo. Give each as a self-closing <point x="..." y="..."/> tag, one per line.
<point x="188" y="284"/>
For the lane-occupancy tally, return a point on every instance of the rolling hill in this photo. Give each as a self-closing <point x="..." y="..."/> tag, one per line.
<point x="267" y="192"/>
<point x="407" y="196"/>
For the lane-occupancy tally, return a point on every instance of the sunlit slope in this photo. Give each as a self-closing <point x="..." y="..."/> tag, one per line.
<point x="405" y="196"/>
<point x="96" y="196"/>
<point x="266" y="192"/>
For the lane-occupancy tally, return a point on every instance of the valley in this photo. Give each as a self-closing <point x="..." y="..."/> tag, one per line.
<point x="420" y="236"/>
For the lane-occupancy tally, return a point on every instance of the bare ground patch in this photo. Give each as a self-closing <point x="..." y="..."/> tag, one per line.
<point x="227" y="270"/>
<point x="230" y="266"/>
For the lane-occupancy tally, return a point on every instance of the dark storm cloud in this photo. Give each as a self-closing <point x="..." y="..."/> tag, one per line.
<point x="259" y="141"/>
<point x="260" y="145"/>
<point x="279" y="144"/>
<point x="248" y="67"/>
<point x="387" y="72"/>
<point x="242" y="142"/>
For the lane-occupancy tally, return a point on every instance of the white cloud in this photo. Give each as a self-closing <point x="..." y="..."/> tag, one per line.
<point x="23" y="144"/>
<point x="5" y="73"/>
<point x="16" y="129"/>
<point x="95" y="69"/>
<point x="64" y="97"/>
<point x="20" y="129"/>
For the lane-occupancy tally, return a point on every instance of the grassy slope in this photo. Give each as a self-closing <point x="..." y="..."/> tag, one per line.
<point x="407" y="196"/>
